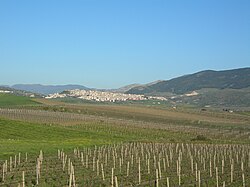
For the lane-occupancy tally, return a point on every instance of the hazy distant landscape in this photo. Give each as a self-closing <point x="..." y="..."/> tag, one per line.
<point x="230" y="88"/>
<point x="124" y="93"/>
<point x="97" y="132"/>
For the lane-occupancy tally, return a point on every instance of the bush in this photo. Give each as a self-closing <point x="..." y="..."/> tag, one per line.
<point x="200" y="138"/>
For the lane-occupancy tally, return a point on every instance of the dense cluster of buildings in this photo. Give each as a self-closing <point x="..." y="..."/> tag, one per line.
<point x="101" y="96"/>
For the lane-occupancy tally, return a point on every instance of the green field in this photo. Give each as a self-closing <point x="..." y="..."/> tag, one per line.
<point x="53" y="125"/>
<point x="17" y="136"/>
<point x="9" y="100"/>
<point x="103" y="132"/>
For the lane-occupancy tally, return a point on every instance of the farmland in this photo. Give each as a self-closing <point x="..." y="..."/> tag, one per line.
<point x="53" y="143"/>
<point x="7" y="100"/>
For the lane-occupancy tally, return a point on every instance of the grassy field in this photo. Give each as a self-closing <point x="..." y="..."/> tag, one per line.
<point x="18" y="136"/>
<point x="28" y="126"/>
<point x="9" y="100"/>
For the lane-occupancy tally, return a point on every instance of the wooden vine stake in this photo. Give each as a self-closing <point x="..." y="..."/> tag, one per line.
<point x="192" y="165"/>
<point x="112" y="177"/>
<point x="148" y="166"/>
<point x="159" y="168"/>
<point x="128" y="169"/>
<point x="179" y="172"/>
<point x="97" y="167"/>
<point x="103" y="178"/>
<point x="10" y="164"/>
<point x="168" y="182"/>
<point x="23" y="179"/>
<point x="6" y="166"/>
<point x="70" y="180"/>
<point x="210" y="168"/>
<point x="139" y="171"/>
<point x="73" y="175"/>
<point x="19" y="158"/>
<point x="157" y="179"/>
<point x="199" y="178"/>
<point x="15" y="162"/>
<point x="196" y="172"/>
<point x="232" y="172"/>
<point x="116" y="181"/>
<point x="217" y="177"/>
<point x="37" y="171"/>
<point x="243" y="180"/>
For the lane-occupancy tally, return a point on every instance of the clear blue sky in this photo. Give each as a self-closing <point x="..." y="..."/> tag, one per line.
<point x="111" y="43"/>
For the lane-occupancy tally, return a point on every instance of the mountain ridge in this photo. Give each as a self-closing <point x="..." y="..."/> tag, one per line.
<point x="47" y="89"/>
<point x="234" y="79"/>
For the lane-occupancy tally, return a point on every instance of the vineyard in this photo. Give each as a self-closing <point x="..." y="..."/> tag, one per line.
<point x="97" y="145"/>
<point x="133" y="164"/>
<point x="124" y="93"/>
<point x="237" y="132"/>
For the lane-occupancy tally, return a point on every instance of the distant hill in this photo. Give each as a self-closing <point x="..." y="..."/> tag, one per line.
<point x="47" y="89"/>
<point x="124" y="88"/>
<point x="214" y="97"/>
<point x="227" y="79"/>
<point x="130" y="86"/>
<point x="6" y="89"/>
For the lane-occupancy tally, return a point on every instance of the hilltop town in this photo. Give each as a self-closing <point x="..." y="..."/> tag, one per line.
<point x="101" y="96"/>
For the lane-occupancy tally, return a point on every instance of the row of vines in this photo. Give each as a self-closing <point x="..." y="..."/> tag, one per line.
<point x="132" y="164"/>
